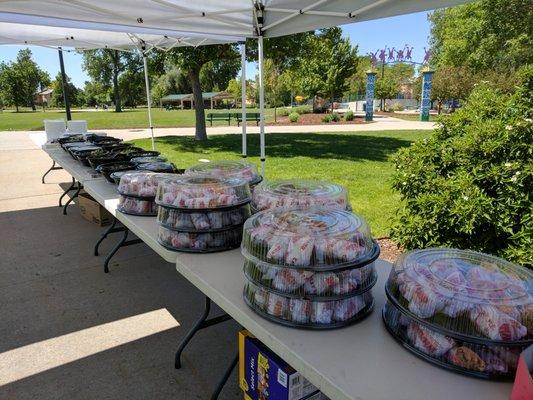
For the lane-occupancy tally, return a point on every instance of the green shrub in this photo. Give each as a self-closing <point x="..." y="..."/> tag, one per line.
<point x="470" y="184"/>
<point x="326" y="118"/>
<point x="283" y="112"/>
<point x="293" y="117"/>
<point x="397" y="107"/>
<point x="335" y="117"/>
<point x="303" y="109"/>
<point x="349" y="116"/>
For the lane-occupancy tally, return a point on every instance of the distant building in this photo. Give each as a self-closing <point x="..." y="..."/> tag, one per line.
<point x="211" y="100"/>
<point x="44" y="97"/>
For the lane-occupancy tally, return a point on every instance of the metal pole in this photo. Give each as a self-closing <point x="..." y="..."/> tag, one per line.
<point x="243" y="98"/>
<point x="261" y="107"/>
<point x="148" y="99"/>
<point x="64" y="83"/>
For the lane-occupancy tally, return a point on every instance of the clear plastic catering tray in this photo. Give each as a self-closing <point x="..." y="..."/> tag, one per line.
<point x="464" y="294"/>
<point x="227" y="169"/>
<point x="136" y="206"/>
<point x="317" y="239"/>
<point x="157" y="167"/>
<point x="299" y="193"/>
<point x="490" y="361"/>
<point x="205" y="221"/>
<point x="305" y="313"/>
<point x="142" y="184"/>
<point x="190" y="193"/>
<point x="302" y="283"/>
<point x="194" y="242"/>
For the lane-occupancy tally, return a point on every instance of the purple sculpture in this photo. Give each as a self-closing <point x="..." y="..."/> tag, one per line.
<point x="373" y="58"/>
<point x="408" y="51"/>
<point x="427" y="56"/>
<point x="391" y="54"/>
<point x="382" y="53"/>
<point x="399" y="55"/>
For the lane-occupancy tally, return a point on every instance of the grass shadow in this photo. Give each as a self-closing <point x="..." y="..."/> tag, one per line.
<point x="349" y="147"/>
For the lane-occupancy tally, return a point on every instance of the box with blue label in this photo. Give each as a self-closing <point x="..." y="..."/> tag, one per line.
<point x="265" y="376"/>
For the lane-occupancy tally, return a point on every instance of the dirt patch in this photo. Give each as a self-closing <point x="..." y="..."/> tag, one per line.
<point x="315" y="119"/>
<point x="390" y="251"/>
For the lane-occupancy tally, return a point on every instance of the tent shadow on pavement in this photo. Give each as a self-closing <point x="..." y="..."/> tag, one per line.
<point x="53" y="289"/>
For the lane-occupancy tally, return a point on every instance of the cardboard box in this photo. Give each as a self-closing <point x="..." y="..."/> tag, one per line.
<point x="523" y="383"/>
<point x="263" y="375"/>
<point x="92" y="211"/>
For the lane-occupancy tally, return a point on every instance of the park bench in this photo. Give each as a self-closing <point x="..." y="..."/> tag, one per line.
<point x="249" y="117"/>
<point x="218" y="117"/>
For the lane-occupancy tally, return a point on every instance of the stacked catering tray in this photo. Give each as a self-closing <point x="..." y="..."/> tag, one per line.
<point x="299" y="193"/>
<point x="228" y="169"/>
<point x="309" y="268"/>
<point x="137" y="190"/>
<point x="462" y="310"/>
<point x="202" y="214"/>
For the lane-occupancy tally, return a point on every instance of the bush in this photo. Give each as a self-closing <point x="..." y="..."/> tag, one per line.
<point x="349" y="116"/>
<point x="293" y="117"/>
<point x="326" y="118"/>
<point x="303" y="109"/>
<point x="283" y="112"/>
<point x="469" y="185"/>
<point x="335" y="117"/>
<point x="397" y="107"/>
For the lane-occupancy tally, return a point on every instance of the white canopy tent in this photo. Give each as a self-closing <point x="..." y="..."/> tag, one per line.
<point x="189" y="22"/>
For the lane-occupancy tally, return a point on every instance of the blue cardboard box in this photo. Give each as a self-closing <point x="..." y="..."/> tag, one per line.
<point x="265" y="376"/>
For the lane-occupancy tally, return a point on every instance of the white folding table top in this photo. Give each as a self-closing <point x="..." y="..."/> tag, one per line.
<point x="145" y="228"/>
<point x="360" y="362"/>
<point x="76" y="169"/>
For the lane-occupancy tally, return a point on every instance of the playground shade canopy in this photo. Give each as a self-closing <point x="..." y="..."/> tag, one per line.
<point x="238" y="18"/>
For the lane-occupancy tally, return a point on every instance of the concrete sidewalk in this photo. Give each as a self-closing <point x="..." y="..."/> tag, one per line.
<point x="69" y="331"/>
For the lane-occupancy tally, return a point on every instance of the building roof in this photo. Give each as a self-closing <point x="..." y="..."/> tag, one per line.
<point x="45" y="91"/>
<point x="205" y="95"/>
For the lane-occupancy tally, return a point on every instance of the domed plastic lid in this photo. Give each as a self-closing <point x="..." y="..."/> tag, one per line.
<point x="205" y="193"/>
<point x="299" y="193"/>
<point x="141" y="184"/>
<point x="117" y="175"/>
<point x="465" y="292"/>
<point x="157" y="167"/>
<point x="150" y="159"/>
<point x="228" y="169"/>
<point x="317" y="239"/>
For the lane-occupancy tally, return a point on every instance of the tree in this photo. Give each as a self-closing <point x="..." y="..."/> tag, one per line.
<point x="20" y="80"/>
<point x="191" y="60"/>
<point x="273" y="84"/>
<point x="215" y="75"/>
<point x="106" y="65"/>
<point x="132" y="88"/>
<point x="329" y="61"/>
<point x="390" y="79"/>
<point x="95" y="93"/>
<point x="73" y="92"/>
<point x="452" y="83"/>
<point x="484" y="35"/>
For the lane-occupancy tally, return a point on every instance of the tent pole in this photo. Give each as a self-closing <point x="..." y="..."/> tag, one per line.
<point x="243" y="98"/>
<point x="64" y="84"/>
<point x="148" y="99"/>
<point x="261" y="106"/>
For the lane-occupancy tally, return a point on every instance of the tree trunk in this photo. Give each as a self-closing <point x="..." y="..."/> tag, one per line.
<point x="194" y="76"/>
<point x="116" y="91"/>
<point x="17" y="107"/>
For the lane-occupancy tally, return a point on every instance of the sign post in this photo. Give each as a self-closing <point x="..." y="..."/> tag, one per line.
<point x="425" y="100"/>
<point x="370" y="88"/>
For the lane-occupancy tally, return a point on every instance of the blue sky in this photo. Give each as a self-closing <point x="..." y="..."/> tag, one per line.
<point x="412" y="29"/>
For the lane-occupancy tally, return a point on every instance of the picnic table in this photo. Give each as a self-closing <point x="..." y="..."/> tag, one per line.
<point x="361" y="361"/>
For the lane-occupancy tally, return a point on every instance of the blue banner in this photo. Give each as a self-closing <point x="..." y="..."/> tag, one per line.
<point x="425" y="101"/>
<point x="370" y="88"/>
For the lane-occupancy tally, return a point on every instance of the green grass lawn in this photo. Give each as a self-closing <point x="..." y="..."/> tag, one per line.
<point x="128" y="119"/>
<point x="359" y="161"/>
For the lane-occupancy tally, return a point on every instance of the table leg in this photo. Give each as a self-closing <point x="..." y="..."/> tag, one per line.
<point x="79" y="186"/>
<point x="71" y="187"/>
<point x="109" y="230"/>
<point x="202" y="323"/>
<point x="122" y="243"/>
<point x="52" y="168"/>
<point x="225" y="378"/>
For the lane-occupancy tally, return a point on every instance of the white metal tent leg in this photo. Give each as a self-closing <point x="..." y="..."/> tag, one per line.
<point x="261" y="106"/>
<point x="148" y="100"/>
<point x="243" y="98"/>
